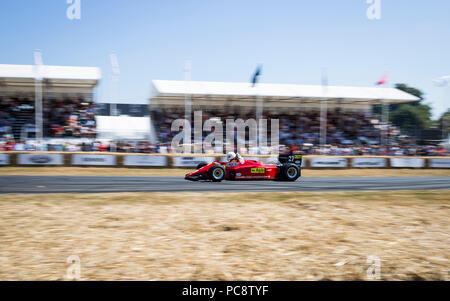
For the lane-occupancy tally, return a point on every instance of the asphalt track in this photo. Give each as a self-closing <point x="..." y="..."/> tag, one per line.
<point x="62" y="184"/>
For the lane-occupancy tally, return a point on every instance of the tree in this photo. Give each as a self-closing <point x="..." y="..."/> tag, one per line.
<point x="412" y="117"/>
<point x="444" y="124"/>
<point x="412" y="91"/>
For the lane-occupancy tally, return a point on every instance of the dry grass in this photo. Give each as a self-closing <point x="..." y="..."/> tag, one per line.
<point x="208" y="236"/>
<point x="95" y="171"/>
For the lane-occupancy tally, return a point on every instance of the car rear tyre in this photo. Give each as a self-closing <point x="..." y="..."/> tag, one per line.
<point x="216" y="173"/>
<point x="290" y="172"/>
<point x="201" y="165"/>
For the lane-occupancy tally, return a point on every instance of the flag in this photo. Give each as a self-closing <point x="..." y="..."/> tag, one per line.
<point x="442" y="81"/>
<point x="382" y="80"/>
<point x="256" y="76"/>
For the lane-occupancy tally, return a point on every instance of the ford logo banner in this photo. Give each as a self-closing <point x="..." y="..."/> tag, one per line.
<point x="40" y="159"/>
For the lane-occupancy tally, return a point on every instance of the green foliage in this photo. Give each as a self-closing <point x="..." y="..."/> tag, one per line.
<point x="444" y="123"/>
<point x="415" y="115"/>
<point x="412" y="91"/>
<point x="408" y="116"/>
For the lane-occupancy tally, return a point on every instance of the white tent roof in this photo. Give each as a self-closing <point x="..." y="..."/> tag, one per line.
<point x="167" y="88"/>
<point x="123" y="127"/>
<point x="50" y="72"/>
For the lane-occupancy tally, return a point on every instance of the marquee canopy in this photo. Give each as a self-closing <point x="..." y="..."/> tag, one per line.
<point x="166" y="90"/>
<point x="21" y="78"/>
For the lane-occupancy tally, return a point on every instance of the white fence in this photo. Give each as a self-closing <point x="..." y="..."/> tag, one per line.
<point x="330" y="162"/>
<point x="40" y="159"/>
<point x="408" y="162"/>
<point x="369" y="162"/>
<point x="150" y="161"/>
<point x="439" y="163"/>
<point x="4" y="159"/>
<point x="94" y="160"/>
<point x="189" y="161"/>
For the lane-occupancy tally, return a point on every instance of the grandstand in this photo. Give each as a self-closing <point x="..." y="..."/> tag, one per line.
<point x="68" y="95"/>
<point x="73" y="122"/>
<point x="300" y="108"/>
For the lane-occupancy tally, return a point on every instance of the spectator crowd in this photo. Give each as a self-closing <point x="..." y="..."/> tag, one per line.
<point x="62" y="118"/>
<point x="71" y="123"/>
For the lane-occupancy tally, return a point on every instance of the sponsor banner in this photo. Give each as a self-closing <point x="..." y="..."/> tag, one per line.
<point x="95" y="160"/>
<point x="258" y="170"/>
<point x="328" y="162"/>
<point x="191" y="161"/>
<point x="4" y="159"/>
<point x="145" y="161"/>
<point x="407" y="162"/>
<point x="439" y="163"/>
<point x="369" y="162"/>
<point x="40" y="159"/>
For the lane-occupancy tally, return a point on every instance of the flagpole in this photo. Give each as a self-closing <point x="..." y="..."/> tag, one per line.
<point x="384" y="113"/>
<point x="38" y="98"/>
<point x="259" y="98"/>
<point x="386" y="122"/>
<point x="443" y="82"/>
<point x="259" y="107"/>
<point x="259" y="115"/>
<point x="115" y="72"/>
<point x="259" y="103"/>
<point x="323" y="110"/>
<point x="38" y="112"/>
<point x="187" y="106"/>
<point x="187" y="96"/>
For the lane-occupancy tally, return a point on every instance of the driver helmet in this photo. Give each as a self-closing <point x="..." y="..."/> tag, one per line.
<point x="231" y="156"/>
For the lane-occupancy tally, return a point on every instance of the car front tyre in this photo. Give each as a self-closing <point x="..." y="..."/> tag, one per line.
<point x="216" y="173"/>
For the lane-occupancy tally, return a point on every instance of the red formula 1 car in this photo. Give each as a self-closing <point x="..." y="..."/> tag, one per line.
<point x="287" y="169"/>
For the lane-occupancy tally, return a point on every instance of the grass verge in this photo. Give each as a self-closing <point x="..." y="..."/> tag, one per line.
<point x="233" y="236"/>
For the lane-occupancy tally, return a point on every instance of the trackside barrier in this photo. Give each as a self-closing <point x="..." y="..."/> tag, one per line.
<point x="40" y="159"/>
<point x="125" y="160"/>
<point x="187" y="161"/>
<point x="330" y="162"/>
<point x="149" y="161"/>
<point x="94" y="160"/>
<point x="408" y="162"/>
<point x="369" y="162"/>
<point x="439" y="163"/>
<point x="4" y="159"/>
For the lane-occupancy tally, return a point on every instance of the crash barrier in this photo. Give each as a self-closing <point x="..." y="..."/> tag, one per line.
<point x="189" y="161"/>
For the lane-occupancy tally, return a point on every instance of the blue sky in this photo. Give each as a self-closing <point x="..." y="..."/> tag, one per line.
<point x="225" y="40"/>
